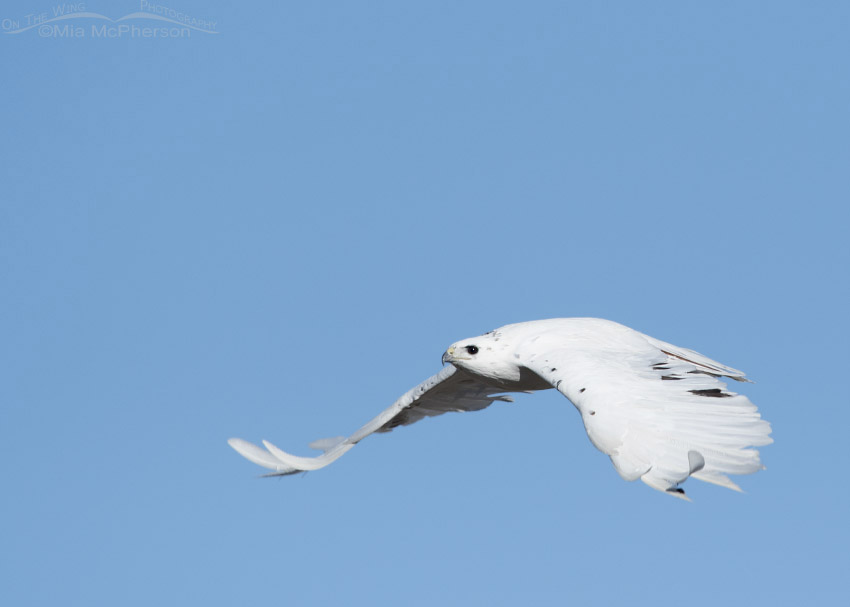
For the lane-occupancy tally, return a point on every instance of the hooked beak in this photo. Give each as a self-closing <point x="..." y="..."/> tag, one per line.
<point x="448" y="355"/>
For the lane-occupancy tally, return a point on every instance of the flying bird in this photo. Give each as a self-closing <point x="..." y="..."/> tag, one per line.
<point x="660" y="412"/>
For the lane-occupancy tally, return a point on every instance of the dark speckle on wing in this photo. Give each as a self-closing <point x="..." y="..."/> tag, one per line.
<point x="696" y="372"/>
<point x="715" y="392"/>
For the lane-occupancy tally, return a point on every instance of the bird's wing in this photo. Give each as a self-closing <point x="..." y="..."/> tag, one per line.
<point x="448" y="390"/>
<point x="660" y="412"/>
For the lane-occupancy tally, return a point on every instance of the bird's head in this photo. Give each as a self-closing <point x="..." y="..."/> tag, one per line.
<point x="489" y="355"/>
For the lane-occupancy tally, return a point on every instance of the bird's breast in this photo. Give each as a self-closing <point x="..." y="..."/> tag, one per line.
<point x="527" y="380"/>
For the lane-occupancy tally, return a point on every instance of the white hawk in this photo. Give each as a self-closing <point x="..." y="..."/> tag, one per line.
<point x="660" y="412"/>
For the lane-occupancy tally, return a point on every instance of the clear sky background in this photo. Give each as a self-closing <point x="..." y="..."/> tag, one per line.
<point x="274" y="230"/>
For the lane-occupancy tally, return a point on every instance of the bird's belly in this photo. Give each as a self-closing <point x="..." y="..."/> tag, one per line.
<point x="528" y="380"/>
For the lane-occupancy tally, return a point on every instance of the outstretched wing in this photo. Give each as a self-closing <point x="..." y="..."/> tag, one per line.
<point x="449" y="390"/>
<point x="660" y="412"/>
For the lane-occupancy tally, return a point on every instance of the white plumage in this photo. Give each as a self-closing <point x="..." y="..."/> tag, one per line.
<point x="660" y="412"/>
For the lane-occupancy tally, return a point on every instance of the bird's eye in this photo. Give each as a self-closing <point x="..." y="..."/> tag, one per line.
<point x="472" y="349"/>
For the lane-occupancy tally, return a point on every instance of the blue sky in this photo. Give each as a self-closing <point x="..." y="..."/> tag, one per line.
<point x="274" y="230"/>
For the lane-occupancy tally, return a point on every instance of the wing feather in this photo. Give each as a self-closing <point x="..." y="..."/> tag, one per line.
<point x="655" y="408"/>
<point x="448" y="390"/>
